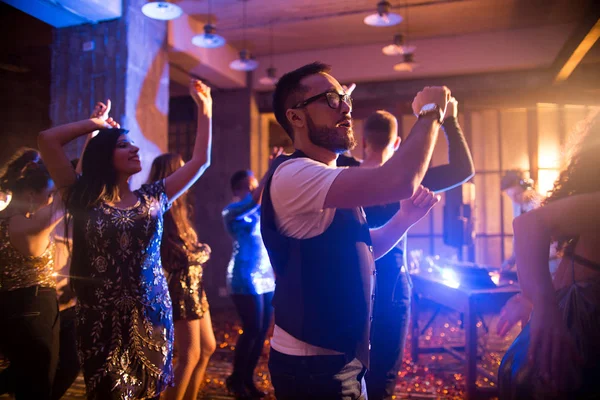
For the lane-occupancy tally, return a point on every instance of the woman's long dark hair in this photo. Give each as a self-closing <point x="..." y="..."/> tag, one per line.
<point x="582" y="171"/>
<point x="97" y="183"/>
<point x="178" y="231"/>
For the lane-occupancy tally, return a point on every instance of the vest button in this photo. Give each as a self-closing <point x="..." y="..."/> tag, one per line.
<point x="373" y="296"/>
<point x="371" y="249"/>
<point x="374" y="272"/>
<point x="372" y="318"/>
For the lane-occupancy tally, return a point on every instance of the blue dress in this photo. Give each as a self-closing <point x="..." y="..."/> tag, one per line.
<point x="249" y="271"/>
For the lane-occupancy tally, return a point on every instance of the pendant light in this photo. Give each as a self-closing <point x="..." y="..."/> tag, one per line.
<point x="161" y="10"/>
<point x="271" y="77"/>
<point x="383" y="16"/>
<point x="398" y="47"/>
<point x="209" y="39"/>
<point x="408" y="63"/>
<point x="245" y="62"/>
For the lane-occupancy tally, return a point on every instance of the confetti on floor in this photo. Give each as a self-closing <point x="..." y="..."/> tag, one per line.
<point x="435" y="376"/>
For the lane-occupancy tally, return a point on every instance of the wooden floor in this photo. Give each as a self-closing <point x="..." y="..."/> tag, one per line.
<point x="435" y="376"/>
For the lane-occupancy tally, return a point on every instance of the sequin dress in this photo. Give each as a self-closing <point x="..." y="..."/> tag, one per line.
<point x="249" y="270"/>
<point x="18" y="271"/>
<point x="185" y="284"/>
<point x="124" y="321"/>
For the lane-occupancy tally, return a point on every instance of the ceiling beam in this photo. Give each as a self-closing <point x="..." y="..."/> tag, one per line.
<point x="486" y="52"/>
<point x="577" y="46"/>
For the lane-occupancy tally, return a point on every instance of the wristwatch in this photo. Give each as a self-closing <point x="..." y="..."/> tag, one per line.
<point x="434" y="109"/>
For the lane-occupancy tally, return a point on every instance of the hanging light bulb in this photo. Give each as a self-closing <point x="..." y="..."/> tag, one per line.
<point x="244" y="63"/>
<point x="209" y="39"/>
<point x="383" y="16"/>
<point x="408" y="63"/>
<point x="271" y="78"/>
<point x="397" y="48"/>
<point x="161" y="10"/>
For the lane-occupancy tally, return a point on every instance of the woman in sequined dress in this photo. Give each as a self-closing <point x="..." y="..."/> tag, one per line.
<point x="28" y="303"/>
<point x="250" y="280"/>
<point x="182" y="260"/>
<point x="124" y="318"/>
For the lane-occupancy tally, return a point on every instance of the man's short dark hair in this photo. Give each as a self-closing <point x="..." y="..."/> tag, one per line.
<point x="380" y="129"/>
<point x="289" y="92"/>
<point x="238" y="177"/>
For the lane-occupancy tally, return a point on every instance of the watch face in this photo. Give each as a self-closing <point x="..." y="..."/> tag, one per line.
<point x="429" y="107"/>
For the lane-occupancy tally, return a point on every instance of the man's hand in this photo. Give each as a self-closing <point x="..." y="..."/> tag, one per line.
<point x="275" y="152"/>
<point x="418" y="205"/>
<point x="439" y="95"/>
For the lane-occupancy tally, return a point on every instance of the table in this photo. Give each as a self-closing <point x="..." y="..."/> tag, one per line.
<point x="470" y="302"/>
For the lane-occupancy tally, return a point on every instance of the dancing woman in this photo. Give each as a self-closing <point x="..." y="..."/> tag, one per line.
<point x="125" y="327"/>
<point x="556" y="355"/>
<point x="250" y="280"/>
<point x="28" y="302"/>
<point x="182" y="259"/>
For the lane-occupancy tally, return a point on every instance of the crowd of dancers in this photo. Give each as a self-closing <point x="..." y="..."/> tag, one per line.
<point x="305" y="240"/>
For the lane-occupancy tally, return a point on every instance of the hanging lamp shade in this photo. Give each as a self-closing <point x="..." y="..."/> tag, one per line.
<point x="398" y="47"/>
<point x="270" y="78"/>
<point x="383" y="16"/>
<point x="209" y="39"/>
<point x="244" y="63"/>
<point x="408" y="63"/>
<point x="161" y="10"/>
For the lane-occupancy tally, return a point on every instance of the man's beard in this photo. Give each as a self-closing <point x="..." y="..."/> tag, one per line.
<point x="330" y="138"/>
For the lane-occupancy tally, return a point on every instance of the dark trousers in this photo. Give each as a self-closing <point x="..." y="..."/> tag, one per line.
<point x="68" y="360"/>
<point x="256" y="313"/>
<point x="29" y="339"/>
<point x="391" y="319"/>
<point x="316" y="377"/>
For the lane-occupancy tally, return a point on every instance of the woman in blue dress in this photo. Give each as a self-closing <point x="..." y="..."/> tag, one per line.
<point x="250" y="280"/>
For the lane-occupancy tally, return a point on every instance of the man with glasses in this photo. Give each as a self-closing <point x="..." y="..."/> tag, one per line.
<point x="316" y="234"/>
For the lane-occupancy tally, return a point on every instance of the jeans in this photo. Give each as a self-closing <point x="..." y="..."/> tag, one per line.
<point x="316" y="377"/>
<point x="391" y="320"/>
<point x="29" y="339"/>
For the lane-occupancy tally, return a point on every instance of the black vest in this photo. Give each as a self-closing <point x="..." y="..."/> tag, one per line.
<point x="324" y="285"/>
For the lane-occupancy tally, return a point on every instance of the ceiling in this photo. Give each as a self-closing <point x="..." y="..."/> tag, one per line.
<point x="301" y="25"/>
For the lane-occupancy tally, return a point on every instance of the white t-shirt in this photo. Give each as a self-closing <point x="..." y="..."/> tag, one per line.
<point x="298" y="191"/>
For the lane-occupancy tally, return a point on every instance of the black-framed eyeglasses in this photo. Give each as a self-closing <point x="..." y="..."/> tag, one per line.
<point x="334" y="99"/>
